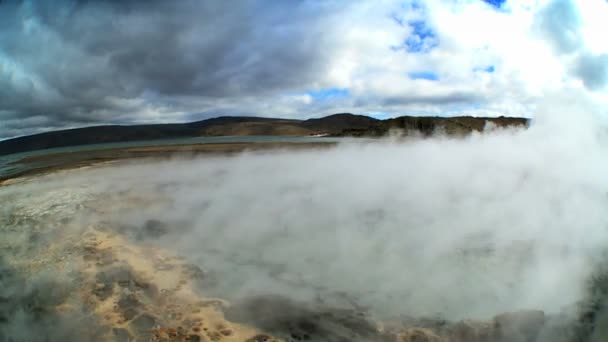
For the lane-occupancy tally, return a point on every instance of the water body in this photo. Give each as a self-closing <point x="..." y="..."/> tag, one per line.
<point x="9" y="164"/>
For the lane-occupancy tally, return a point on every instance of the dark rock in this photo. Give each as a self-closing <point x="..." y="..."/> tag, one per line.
<point x="181" y="330"/>
<point x="143" y="324"/>
<point x="129" y="306"/>
<point x="194" y="338"/>
<point x="121" y="335"/>
<point x="296" y="321"/>
<point x="34" y="237"/>
<point x="103" y="257"/>
<point x="473" y="331"/>
<point x="122" y="276"/>
<point x="103" y="291"/>
<point x="44" y="296"/>
<point x="125" y="277"/>
<point x="128" y="301"/>
<point x="562" y="327"/>
<point x="520" y="325"/>
<point x="194" y="272"/>
<point x="89" y="253"/>
<point x="153" y="229"/>
<point x="150" y="290"/>
<point x="260" y="338"/>
<point x="198" y="275"/>
<point x="129" y="313"/>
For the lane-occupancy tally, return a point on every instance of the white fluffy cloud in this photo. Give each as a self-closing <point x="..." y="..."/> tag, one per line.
<point x="474" y="37"/>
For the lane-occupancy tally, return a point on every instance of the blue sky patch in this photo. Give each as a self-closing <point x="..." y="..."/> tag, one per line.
<point x="489" y="69"/>
<point x="423" y="75"/>
<point x="496" y="3"/>
<point x="406" y="7"/>
<point x="379" y="115"/>
<point x="422" y="39"/>
<point x="329" y="93"/>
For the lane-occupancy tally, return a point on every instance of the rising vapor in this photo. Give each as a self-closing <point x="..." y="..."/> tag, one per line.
<point x="443" y="228"/>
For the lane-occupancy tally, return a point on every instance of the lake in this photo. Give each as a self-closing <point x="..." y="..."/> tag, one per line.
<point x="9" y="164"/>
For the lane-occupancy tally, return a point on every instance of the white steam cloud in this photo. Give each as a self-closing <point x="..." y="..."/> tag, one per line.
<point x="462" y="228"/>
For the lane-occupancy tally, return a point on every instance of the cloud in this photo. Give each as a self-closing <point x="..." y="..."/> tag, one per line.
<point x="97" y="54"/>
<point x="560" y="21"/>
<point x="593" y="70"/>
<point x="422" y="38"/>
<point x="80" y="62"/>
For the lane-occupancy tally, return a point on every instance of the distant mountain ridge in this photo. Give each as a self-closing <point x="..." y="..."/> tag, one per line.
<point x="343" y="124"/>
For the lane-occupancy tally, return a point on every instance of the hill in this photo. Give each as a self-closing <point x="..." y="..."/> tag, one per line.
<point x="334" y="125"/>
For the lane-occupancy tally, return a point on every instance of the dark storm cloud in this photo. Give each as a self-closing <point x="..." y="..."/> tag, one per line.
<point x="74" y="61"/>
<point x="445" y="99"/>
<point x="195" y="48"/>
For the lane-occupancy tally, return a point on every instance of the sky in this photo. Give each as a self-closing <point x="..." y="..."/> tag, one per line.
<point x="67" y="64"/>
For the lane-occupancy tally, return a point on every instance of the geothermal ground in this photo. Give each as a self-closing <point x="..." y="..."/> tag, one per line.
<point x="476" y="239"/>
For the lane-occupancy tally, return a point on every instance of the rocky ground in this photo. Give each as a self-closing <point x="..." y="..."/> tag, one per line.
<point x="67" y="275"/>
<point x="133" y="293"/>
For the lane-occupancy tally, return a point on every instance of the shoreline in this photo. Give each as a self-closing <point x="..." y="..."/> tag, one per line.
<point x="48" y="163"/>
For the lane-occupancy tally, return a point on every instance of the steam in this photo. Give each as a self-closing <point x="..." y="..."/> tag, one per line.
<point x="461" y="228"/>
